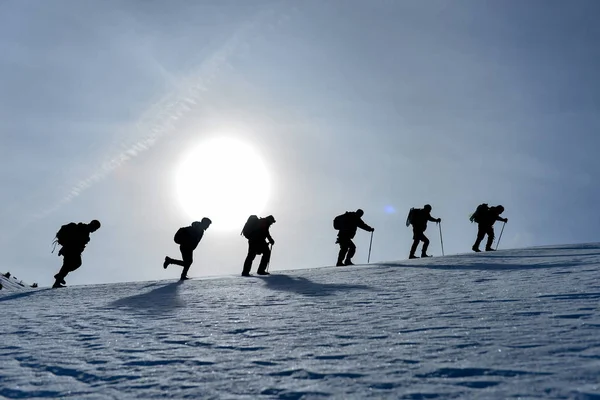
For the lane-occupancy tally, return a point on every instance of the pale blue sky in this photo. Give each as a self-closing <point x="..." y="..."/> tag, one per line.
<point x="382" y="105"/>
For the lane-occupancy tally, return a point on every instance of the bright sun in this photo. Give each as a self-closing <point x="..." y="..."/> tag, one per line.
<point x="225" y="180"/>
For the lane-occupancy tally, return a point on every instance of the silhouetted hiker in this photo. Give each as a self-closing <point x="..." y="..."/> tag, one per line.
<point x="256" y="230"/>
<point x="188" y="238"/>
<point x="486" y="217"/>
<point x="73" y="238"/>
<point x="418" y="217"/>
<point x="347" y="224"/>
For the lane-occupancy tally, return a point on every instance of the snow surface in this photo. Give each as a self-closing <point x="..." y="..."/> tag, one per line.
<point x="512" y="324"/>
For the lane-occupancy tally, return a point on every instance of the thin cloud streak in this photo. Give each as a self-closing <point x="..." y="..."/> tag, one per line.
<point x="160" y="119"/>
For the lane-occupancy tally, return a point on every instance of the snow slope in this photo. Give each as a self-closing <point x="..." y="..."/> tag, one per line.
<point x="512" y="324"/>
<point x="11" y="284"/>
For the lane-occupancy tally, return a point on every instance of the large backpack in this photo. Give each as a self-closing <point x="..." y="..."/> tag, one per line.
<point x="340" y="221"/>
<point x="479" y="213"/>
<point x="180" y="236"/>
<point x="250" y="226"/>
<point x="411" y="216"/>
<point x="66" y="234"/>
<point x="415" y="216"/>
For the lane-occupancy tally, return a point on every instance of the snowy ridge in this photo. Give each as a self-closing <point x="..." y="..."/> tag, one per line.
<point x="12" y="284"/>
<point x="512" y="324"/>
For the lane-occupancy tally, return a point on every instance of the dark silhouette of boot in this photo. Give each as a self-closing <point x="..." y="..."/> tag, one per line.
<point x="412" y="256"/>
<point x="348" y="262"/>
<point x="476" y="249"/>
<point x="57" y="284"/>
<point x="60" y="280"/>
<point x="424" y="255"/>
<point x="489" y="249"/>
<point x="339" y="264"/>
<point x="184" y="278"/>
<point x="246" y="274"/>
<point x="262" y="273"/>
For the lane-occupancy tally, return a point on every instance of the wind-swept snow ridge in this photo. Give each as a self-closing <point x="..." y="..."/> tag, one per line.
<point x="511" y="324"/>
<point x="9" y="284"/>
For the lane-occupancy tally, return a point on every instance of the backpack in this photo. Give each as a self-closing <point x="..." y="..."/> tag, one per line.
<point x="411" y="216"/>
<point x="250" y="226"/>
<point x="415" y="216"/>
<point x="180" y="236"/>
<point x="65" y="235"/>
<point x="339" y="221"/>
<point x="479" y="213"/>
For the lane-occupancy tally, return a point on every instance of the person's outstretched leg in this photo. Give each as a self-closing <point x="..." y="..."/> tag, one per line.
<point x="425" y="241"/>
<point x="60" y="277"/>
<point x="351" y="252"/>
<point x="343" y="242"/>
<point x="186" y="255"/>
<point x="248" y="262"/>
<point x="71" y="261"/>
<point x="416" y="240"/>
<point x="413" y="248"/>
<point x="341" y="255"/>
<point x="188" y="258"/>
<point x="480" y="235"/>
<point x="264" y="261"/>
<point x="490" y="239"/>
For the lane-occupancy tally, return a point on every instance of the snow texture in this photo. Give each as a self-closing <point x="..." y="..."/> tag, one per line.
<point x="511" y="324"/>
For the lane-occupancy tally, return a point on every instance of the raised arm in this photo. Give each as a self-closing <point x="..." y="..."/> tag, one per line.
<point x="361" y="224"/>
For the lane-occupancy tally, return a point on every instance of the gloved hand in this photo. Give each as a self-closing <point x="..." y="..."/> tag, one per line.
<point x="439" y="220"/>
<point x="272" y="242"/>
<point x="372" y="230"/>
<point x="505" y="220"/>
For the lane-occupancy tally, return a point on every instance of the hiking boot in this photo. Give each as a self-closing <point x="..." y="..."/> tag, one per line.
<point x="339" y="264"/>
<point x="61" y="281"/>
<point x="57" y="285"/>
<point x="262" y="273"/>
<point x="489" y="249"/>
<point x="475" y="249"/>
<point x="167" y="262"/>
<point x="184" y="278"/>
<point x="412" y="256"/>
<point x="246" y="274"/>
<point x="424" y="255"/>
<point x="348" y="262"/>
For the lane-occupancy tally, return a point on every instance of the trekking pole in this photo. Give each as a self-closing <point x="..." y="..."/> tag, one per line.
<point x="441" y="238"/>
<point x="500" y="237"/>
<point x="370" y="244"/>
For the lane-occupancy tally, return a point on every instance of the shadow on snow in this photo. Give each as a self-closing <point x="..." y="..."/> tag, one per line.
<point x="21" y="294"/>
<point x="161" y="300"/>
<point x="306" y="287"/>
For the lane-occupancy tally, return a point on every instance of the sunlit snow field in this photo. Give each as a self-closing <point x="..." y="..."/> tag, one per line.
<point x="512" y="324"/>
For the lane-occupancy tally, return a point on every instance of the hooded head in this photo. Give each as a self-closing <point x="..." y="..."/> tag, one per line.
<point x="202" y="225"/>
<point x="360" y="212"/>
<point x="94" y="225"/>
<point x="270" y="219"/>
<point x="427" y="207"/>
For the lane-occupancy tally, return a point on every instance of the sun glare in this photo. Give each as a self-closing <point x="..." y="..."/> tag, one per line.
<point x="225" y="180"/>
